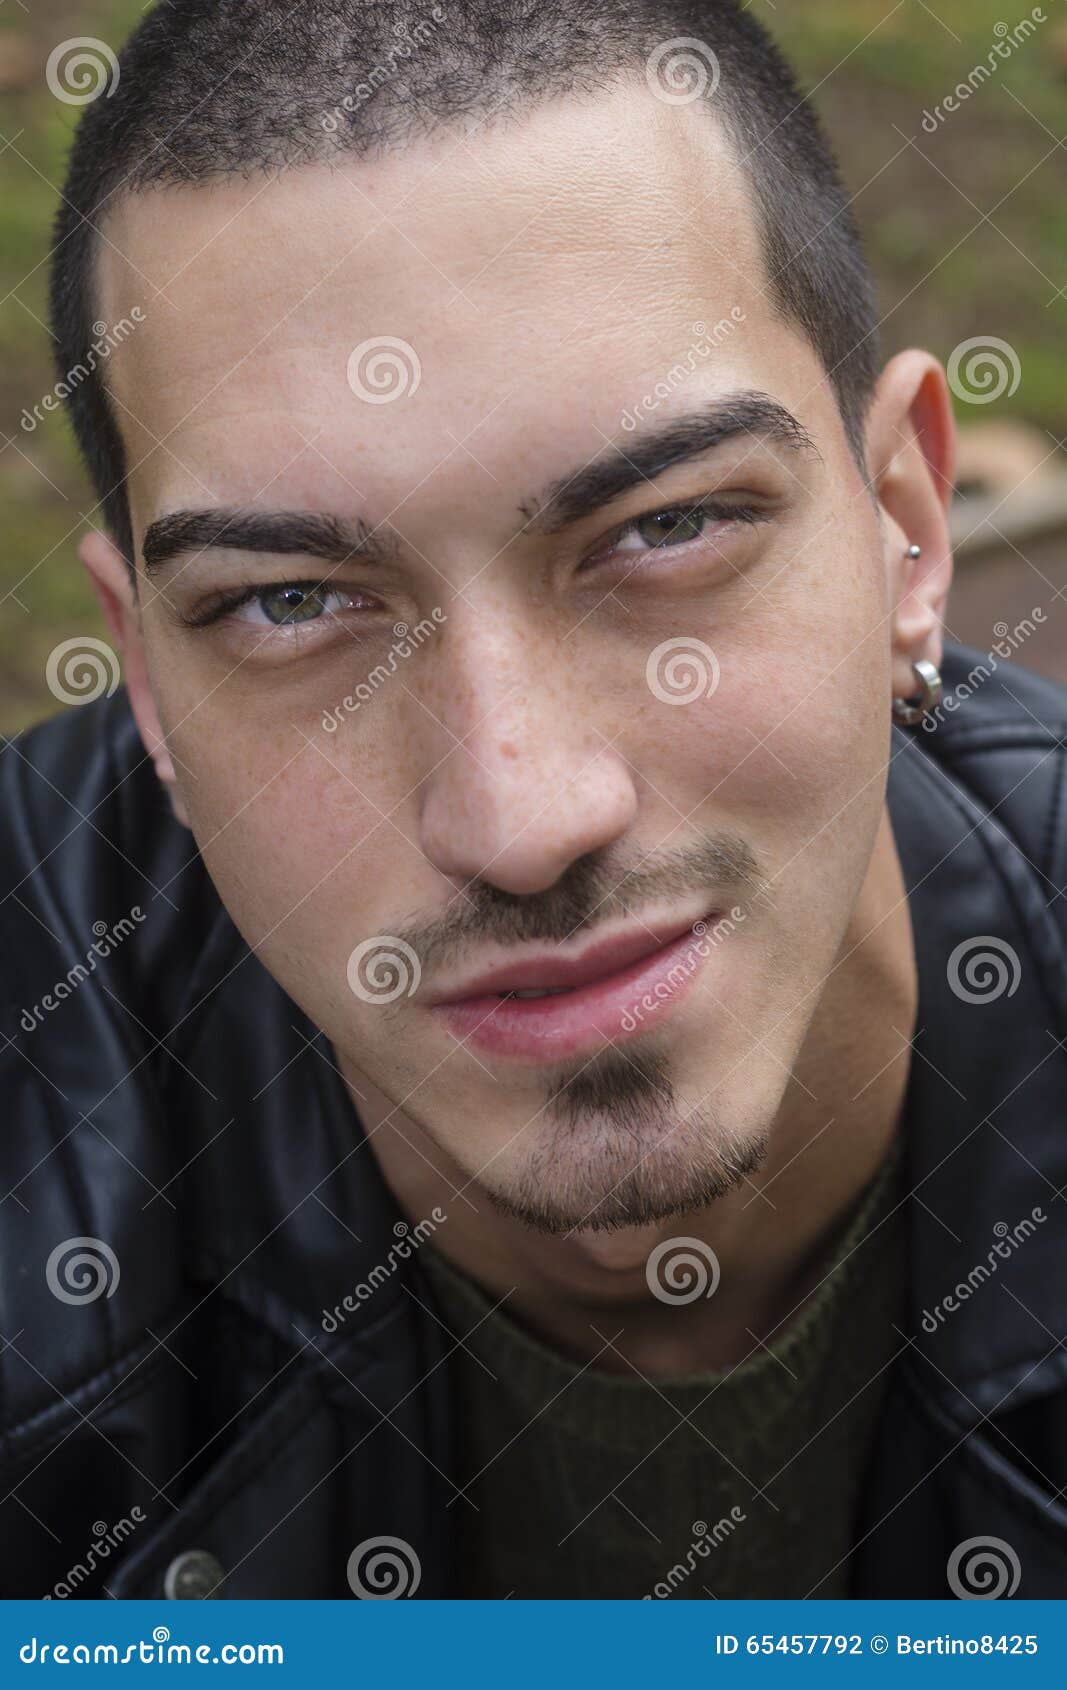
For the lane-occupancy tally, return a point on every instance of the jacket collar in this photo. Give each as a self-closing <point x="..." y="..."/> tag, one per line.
<point x="985" y="1150"/>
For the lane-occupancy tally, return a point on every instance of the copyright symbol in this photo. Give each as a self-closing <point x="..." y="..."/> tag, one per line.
<point x="879" y="1645"/>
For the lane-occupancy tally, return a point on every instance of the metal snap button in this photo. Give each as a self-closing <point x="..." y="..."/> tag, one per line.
<point x="193" y="1574"/>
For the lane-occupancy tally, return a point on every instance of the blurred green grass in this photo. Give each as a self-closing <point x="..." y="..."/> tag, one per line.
<point x="966" y="228"/>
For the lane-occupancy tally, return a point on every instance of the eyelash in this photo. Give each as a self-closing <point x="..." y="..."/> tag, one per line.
<point x="226" y="603"/>
<point x="714" y="509"/>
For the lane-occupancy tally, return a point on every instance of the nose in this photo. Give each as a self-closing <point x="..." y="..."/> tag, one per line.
<point x="523" y="780"/>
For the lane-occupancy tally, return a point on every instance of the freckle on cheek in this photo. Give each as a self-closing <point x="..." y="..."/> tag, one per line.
<point x="507" y="749"/>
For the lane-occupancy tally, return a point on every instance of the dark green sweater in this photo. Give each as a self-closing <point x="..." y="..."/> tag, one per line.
<point x="738" y="1483"/>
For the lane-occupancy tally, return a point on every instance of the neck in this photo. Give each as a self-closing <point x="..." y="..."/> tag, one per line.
<point x="587" y="1293"/>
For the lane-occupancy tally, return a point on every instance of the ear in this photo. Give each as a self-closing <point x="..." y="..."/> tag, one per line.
<point x="911" y="453"/>
<point x="113" y="584"/>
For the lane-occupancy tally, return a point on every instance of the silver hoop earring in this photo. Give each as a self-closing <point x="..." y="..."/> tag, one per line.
<point x="929" y="697"/>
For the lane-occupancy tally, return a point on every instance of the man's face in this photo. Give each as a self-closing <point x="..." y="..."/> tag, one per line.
<point x="601" y="722"/>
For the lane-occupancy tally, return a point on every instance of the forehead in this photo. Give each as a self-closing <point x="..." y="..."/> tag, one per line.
<point x="540" y="275"/>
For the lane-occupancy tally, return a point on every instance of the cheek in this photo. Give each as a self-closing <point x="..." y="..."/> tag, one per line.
<point x="292" y="826"/>
<point x="790" y="748"/>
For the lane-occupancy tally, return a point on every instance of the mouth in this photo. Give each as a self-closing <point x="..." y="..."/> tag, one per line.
<point x="549" y="1009"/>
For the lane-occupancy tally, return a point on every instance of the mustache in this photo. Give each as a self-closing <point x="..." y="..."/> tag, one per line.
<point x="593" y="892"/>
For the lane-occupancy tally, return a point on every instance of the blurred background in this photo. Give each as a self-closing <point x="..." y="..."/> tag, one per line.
<point x="950" y="119"/>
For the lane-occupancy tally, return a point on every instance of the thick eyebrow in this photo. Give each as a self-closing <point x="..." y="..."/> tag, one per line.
<point x="311" y="533"/>
<point x="566" y="500"/>
<point x="649" y="453"/>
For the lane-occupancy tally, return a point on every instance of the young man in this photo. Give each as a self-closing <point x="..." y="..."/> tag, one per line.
<point x="566" y="1099"/>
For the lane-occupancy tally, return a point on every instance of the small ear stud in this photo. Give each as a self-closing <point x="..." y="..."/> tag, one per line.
<point x="914" y="551"/>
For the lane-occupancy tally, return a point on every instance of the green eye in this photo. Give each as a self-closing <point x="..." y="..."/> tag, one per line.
<point x="292" y="603"/>
<point x="671" y="528"/>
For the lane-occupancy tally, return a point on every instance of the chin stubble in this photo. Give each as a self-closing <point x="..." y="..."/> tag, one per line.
<point x="619" y="1152"/>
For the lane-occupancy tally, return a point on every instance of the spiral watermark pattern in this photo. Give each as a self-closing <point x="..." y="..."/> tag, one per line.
<point x="380" y="1569"/>
<point x="983" y="969"/>
<point x="383" y="369"/>
<point x="681" y="670"/>
<point x="682" y="70"/>
<point x="983" y="1569"/>
<point x="681" y="1270"/>
<point x="82" y="669"/>
<point x="382" y="969"/>
<point x="81" y="69"/>
<point x="79" y="1270"/>
<point x="984" y="369"/>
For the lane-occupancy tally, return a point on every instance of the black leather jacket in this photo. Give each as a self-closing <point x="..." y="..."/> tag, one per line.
<point x="192" y="1422"/>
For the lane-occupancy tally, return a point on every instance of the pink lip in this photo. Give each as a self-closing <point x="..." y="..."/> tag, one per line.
<point x="553" y="969"/>
<point x="592" y="1011"/>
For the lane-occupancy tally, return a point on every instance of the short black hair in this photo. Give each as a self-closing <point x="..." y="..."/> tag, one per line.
<point x="210" y="88"/>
